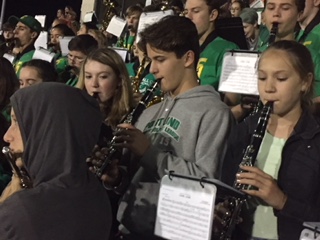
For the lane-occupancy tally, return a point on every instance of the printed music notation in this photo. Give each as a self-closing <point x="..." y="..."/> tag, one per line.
<point x="185" y="209"/>
<point x="239" y="73"/>
<point x="150" y="18"/>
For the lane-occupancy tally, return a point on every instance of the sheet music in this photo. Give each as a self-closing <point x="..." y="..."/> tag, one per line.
<point x="41" y="19"/>
<point x="185" y="209"/>
<point x="122" y="52"/>
<point x="43" y="54"/>
<point x="239" y="73"/>
<point x="257" y="4"/>
<point x="88" y="17"/>
<point x="116" y="26"/>
<point x="64" y="41"/>
<point x="9" y="57"/>
<point x="308" y="234"/>
<point x="150" y="18"/>
<point x="148" y="2"/>
<point x="42" y="40"/>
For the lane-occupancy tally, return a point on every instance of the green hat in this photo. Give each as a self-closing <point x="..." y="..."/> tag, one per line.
<point x="27" y="20"/>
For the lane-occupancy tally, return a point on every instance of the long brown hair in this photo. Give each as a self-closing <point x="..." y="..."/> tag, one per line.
<point x="121" y="102"/>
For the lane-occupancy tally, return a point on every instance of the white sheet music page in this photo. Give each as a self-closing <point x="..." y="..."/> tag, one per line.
<point x="42" y="40"/>
<point x="239" y="73"/>
<point x="41" y="19"/>
<point x="88" y="17"/>
<point x="148" y="2"/>
<point x="116" y="26"/>
<point x="9" y="57"/>
<point x="122" y="52"/>
<point x="185" y="209"/>
<point x="43" y="54"/>
<point x="150" y="18"/>
<point x="64" y="41"/>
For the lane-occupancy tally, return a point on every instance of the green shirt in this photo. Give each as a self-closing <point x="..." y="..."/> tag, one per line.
<point x="61" y="64"/>
<point x="72" y="81"/>
<point x="128" y="42"/>
<point x="312" y="38"/>
<point x="268" y="160"/>
<point x="210" y="61"/>
<point x="146" y="82"/>
<point x="25" y="58"/>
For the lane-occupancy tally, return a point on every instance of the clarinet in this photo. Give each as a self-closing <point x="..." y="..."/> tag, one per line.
<point x="130" y="118"/>
<point x="273" y="33"/>
<point x="25" y="179"/>
<point x="248" y="159"/>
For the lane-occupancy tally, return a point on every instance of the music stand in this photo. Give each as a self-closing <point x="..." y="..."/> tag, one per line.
<point x="231" y="29"/>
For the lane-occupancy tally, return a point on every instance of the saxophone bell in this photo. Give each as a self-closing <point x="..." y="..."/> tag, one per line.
<point x="21" y="172"/>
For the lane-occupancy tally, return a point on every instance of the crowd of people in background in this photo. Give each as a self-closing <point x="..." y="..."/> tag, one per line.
<point x="60" y="117"/>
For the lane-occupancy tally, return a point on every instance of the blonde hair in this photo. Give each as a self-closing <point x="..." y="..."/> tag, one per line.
<point x="122" y="101"/>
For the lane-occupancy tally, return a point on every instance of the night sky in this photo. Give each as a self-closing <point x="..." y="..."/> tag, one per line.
<point x="38" y="7"/>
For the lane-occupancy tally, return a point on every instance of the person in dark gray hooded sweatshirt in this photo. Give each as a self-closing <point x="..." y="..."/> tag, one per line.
<point x="54" y="128"/>
<point x="186" y="133"/>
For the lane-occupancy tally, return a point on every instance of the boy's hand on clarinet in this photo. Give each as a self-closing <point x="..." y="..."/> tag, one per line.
<point x="132" y="138"/>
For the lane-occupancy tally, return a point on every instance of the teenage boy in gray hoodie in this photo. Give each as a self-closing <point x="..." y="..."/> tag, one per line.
<point x="186" y="133"/>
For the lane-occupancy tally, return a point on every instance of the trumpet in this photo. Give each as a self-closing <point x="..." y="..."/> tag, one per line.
<point x="22" y="173"/>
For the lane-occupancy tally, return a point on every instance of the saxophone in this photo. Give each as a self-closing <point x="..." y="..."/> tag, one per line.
<point x="130" y="118"/>
<point x="110" y="8"/>
<point x="22" y="173"/>
<point x="248" y="159"/>
<point x="136" y="80"/>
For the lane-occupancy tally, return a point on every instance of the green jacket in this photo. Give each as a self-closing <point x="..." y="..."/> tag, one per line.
<point x="211" y="57"/>
<point x="61" y="64"/>
<point x="22" y="58"/>
<point x="311" y="34"/>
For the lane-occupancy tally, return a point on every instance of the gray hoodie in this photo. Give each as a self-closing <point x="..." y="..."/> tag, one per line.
<point x="189" y="135"/>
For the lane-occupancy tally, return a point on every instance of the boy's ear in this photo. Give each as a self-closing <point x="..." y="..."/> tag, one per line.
<point x="189" y="59"/>
<point x="34" y="35"/>
<point x="214" y="15"/>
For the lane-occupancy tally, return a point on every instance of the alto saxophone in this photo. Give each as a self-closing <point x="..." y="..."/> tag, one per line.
<point x="136" y="80"/>
<point x="130" y="118"/>
<point x="110" y="8"/>
<point x="248" y="159"/>
<point x="22" y="173"/>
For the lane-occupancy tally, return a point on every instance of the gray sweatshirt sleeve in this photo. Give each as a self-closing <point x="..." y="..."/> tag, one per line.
<point x="209" y="150"/>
